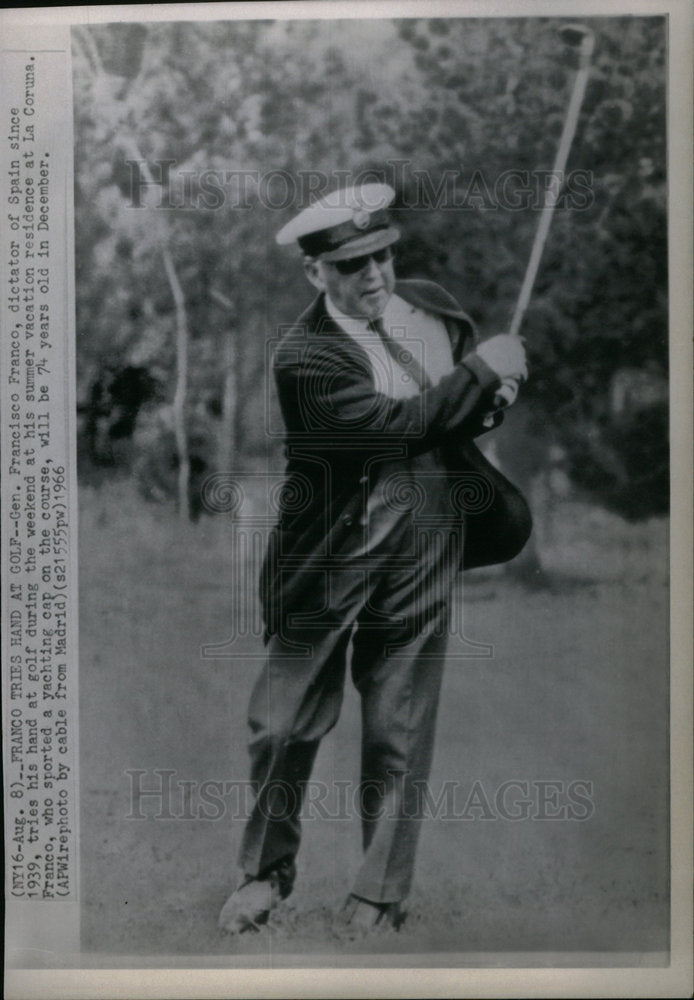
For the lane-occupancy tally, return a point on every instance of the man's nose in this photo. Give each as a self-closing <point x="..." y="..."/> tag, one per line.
<point x="372" y="269"/>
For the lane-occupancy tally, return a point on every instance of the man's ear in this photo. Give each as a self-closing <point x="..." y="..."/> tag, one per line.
<point x="314" y="274"/>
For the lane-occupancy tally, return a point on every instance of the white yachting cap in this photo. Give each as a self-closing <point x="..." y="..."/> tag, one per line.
<point x="346" y="223"/>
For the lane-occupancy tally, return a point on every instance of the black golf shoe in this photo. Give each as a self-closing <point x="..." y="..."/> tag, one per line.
<point x="249" y="905"/>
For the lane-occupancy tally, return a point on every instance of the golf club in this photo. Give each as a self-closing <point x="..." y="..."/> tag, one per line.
<point x="580" y="37"/>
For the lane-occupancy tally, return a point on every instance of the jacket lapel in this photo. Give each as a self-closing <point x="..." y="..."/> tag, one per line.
<point x="432" y="299"/>
<point x="320" y="324"/>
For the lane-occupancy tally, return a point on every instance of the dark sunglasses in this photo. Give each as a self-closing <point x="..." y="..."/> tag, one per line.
<point x="354" y="264"/>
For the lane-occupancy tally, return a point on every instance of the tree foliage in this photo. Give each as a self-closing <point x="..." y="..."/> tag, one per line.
<point x="240" y="120"/>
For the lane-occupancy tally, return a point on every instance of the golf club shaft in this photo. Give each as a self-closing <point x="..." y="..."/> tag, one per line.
<point x="504" y="395"/>
<point x="551" y="195"/>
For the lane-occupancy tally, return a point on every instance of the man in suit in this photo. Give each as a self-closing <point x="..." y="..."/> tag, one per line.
<point x="383" y="387"/>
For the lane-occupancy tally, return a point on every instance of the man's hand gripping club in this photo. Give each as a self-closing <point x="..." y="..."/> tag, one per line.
<point x="505" y="355"/>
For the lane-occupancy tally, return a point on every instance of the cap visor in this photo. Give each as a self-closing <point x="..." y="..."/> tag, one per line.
<point x="368" y="243"/>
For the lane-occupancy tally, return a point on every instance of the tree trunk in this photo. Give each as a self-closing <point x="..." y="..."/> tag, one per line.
<point x="229" y="404"/>
<point x="179" y="400"/>
<point x="226" y="450"/>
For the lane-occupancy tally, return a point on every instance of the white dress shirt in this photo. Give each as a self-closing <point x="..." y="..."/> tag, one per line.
<point x="425" y="337"/>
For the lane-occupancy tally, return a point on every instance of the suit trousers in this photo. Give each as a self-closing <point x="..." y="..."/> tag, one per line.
<point x="392" y="613"/>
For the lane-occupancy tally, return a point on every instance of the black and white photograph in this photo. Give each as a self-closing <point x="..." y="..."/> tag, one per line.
<point x="344" y="632"/>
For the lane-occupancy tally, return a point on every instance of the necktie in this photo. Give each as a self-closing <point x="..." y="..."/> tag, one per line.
<point x="400" y="354"/>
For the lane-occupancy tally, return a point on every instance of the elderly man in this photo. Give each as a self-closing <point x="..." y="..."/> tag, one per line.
<point x="383" y="388"/>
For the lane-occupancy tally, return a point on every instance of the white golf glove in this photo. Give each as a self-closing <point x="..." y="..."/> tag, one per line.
<point x="505" y="355"/>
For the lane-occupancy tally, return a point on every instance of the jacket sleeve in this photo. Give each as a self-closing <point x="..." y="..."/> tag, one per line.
<point x="327" y="397"/>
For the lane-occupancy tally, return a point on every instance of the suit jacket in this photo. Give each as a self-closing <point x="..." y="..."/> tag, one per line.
<point x="338" y="426"/>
